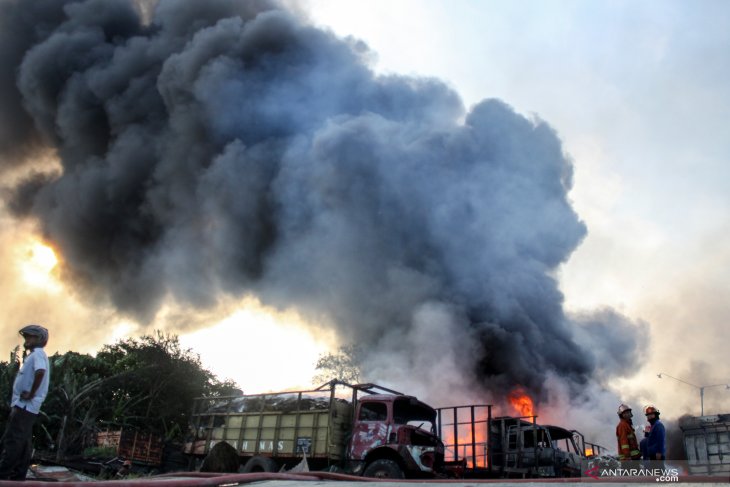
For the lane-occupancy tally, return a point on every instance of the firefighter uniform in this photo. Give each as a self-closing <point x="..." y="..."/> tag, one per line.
<point x="628" y="447"/>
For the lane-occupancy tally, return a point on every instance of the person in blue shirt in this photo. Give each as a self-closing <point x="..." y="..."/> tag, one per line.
<point x="29" y="390"/>
<point x="656" y="443"/>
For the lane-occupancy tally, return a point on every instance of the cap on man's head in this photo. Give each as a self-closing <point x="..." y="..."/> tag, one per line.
<point x="36" y="330"/>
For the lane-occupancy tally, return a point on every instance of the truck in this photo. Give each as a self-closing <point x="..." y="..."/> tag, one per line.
<point x="707" y="444"/>
<point x="378" y="432"/>
<point x="478" y="445"/>
<point x="373" y="431"/>
<point x="139" y="447"/>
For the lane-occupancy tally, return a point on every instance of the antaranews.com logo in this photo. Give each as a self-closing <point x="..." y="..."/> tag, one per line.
<point x="668" y="474"/>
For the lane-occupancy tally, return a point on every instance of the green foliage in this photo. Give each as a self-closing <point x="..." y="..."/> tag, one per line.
<point x="100" y="452"/>
<point x="8" y="370"/>
<point x="343" y="365"/>
<point x="147" y="383"/>
<point x="163" y="374"/>
<point x="73" y="402"/>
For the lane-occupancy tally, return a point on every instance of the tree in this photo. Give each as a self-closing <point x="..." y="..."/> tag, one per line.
<point x="343" y="365"/>
<point x="73" y="404"/>
<point x="165" y="379"/>
<point x="147" y="383"/>
<point x="8" y="370"/>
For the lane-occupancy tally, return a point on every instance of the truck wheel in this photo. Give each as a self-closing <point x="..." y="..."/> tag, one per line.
<point x="384" y="469"/>
<point x="260" y="464"/>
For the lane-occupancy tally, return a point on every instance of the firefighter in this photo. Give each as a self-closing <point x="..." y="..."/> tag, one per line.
<point x="656" y="443"/>
<point x="628" y="447"/>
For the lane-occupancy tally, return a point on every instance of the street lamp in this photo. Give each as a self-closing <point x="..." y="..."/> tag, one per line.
<point x="701" y="388"/>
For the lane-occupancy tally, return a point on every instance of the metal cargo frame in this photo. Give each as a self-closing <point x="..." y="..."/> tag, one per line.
<point x="223" y="424"/>
<point x="139" y="447"/>
<point x="707" y="444"/>
<point x="476" y="457"/>
<point x="487" y="453"/>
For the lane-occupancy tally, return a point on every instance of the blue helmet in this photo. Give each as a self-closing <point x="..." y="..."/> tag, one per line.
<point x="35" y="330"/>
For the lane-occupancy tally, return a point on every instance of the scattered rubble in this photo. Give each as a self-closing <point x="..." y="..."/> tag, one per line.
<point x="54" y="473"/>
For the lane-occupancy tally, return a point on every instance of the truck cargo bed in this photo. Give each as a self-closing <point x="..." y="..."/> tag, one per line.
<point x="280" y="425"/>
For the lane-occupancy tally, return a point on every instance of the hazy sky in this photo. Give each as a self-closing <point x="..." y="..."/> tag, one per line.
<point x="638" y="92"/>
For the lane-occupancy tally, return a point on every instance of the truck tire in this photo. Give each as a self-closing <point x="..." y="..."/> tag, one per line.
<point x="221" y="458"/>
<point x="260" y="464"/>
<point x="384" y="469"/>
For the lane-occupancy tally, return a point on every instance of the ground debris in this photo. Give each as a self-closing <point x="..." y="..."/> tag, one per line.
<point x="57" y="474"/>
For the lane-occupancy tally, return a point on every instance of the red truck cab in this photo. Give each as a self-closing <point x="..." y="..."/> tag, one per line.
<point x="393" y="436"/>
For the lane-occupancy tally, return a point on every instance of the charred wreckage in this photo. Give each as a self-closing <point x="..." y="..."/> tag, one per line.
<point x="379" y="432"/>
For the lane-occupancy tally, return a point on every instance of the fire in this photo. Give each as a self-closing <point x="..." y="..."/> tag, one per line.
<point x="521" y="402"/>
<point x="589" y="452"/>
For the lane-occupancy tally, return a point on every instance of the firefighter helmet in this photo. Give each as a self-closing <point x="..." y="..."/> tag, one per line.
<point x="650" y="410"/>
<point x="35" y="330"/>
<point x="622" y="409"/>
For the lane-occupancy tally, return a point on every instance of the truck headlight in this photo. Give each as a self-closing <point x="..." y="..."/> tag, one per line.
<point x="428" y="459"/>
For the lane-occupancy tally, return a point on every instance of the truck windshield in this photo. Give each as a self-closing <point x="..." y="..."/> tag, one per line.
<point x="373" y="411"/>
<point x="413" y="412"/>
<point x="566" y="444"/>
<point x="562" y="439"/>
<point x="530" y="437"/>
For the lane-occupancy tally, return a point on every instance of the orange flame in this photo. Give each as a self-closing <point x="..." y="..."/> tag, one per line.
<point x="589" y="452"/>
<point x="521" y="402"/>
<point x="462" y="445"/>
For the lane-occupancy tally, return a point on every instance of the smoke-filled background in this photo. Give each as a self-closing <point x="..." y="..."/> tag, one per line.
<point x="189" y="160"/>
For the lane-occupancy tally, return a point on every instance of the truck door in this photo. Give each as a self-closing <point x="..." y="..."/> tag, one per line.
<point x="512" y="447"/>
<point x="370" y="429"/>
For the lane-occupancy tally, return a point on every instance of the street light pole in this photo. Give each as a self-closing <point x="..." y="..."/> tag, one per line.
<point x="701" y="388"/>
<point x="702" y="401"/>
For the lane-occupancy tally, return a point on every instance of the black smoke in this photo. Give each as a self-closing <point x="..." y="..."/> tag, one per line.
<point x="230" y="148"/>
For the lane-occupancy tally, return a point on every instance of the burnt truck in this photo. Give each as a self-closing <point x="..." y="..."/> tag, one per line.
<point x="707" y="444"/>
<point x="478" y="445"/>
<point x="374" y="431"/>
<point x="378" y="432"/>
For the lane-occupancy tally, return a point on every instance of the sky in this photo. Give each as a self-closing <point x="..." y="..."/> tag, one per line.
<point x="638" y="94"/>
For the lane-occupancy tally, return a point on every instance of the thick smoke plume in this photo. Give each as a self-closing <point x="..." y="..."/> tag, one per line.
<point x="228" y="148"/>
